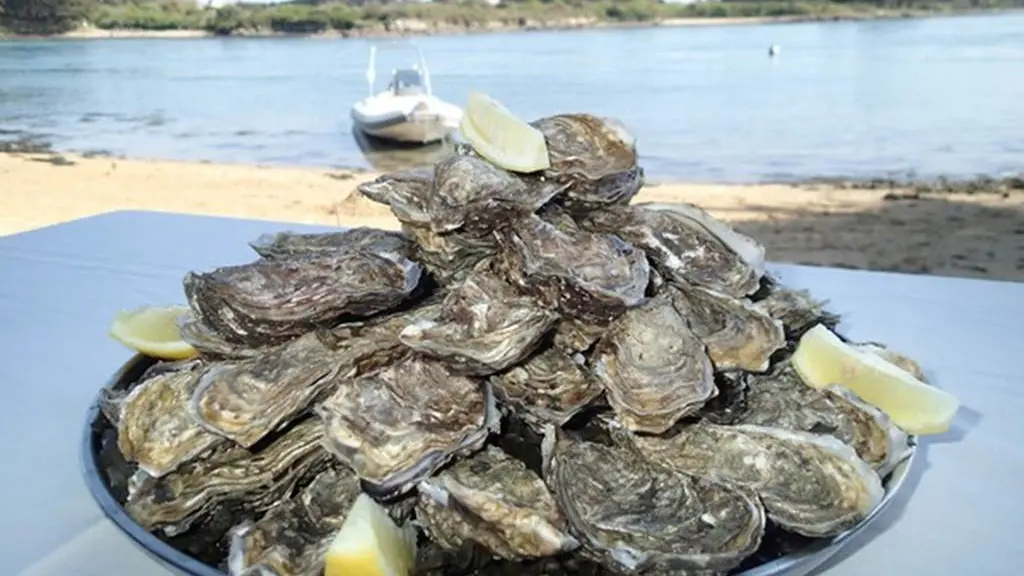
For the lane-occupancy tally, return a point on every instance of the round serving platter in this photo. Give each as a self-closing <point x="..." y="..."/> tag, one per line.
<point x="793" y="564"/>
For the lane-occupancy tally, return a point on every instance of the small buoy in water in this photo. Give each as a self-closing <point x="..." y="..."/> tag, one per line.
<point x="774" y="50"/>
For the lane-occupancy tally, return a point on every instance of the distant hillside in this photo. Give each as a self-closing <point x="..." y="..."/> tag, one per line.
<point x="358" y="17"/>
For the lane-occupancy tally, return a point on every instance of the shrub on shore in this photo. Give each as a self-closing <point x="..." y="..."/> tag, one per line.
<point x="318" y="16"/>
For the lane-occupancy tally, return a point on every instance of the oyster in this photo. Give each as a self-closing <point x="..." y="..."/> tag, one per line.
<point x="493" y="499"/>
<point x="549" y="388"/>
<point x="291" y="244"/>
<point x="687" y="245"/>
<point x="796" y="309"/>
<point x="738" y="335"/>
<point x="594" y="157"/>
<point x="405" y="192"/>
<point x="247" y="400"/>
<point x="255" y="481"/>
<point x="653" y="367"/>
<point x="635" y="516"/>
<point x="810" y="484"/>
<point x="154" y="428"/>
<point x="291" y="539"/>
<point x="270" y="300"/>
<point x="781" y="399"/>
<point x="483" y="326"/>
<point x="400" y="424"/>
<point x="209" y="343"/>
<point x="450" y="257"/>
<point x="574" y="335"/>
<point x="473" y="194"/>
<point x="593" y="277"/>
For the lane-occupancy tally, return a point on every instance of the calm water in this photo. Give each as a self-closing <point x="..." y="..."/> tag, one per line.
<point x="934" y="96"/>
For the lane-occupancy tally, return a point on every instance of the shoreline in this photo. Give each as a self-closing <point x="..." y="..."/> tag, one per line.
<point x="414" y="27"/>
<point x="971" y="230"/>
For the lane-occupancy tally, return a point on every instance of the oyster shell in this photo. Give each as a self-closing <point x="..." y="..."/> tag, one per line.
<point x="738" y="335"/>
<point x="574" y="335"/>
<point x="483" y="326"/>
<point x="255" y="481"/>
<point x="635" y="516"/>
<point x="291" y="244"/>
<point x="592" y="277"/>
<point x="473" y="194"/>
<point x="796" y="309"/>
<point x="271" y="300"/>
<point x="493" y="499"/>
<point x="400" y="424"/>
<point x="810" y="484"/>
<point x="405" y="192"/>
<point x="549" y="388"/>
<point x="450" y="257"/>
<point x="781" y="399"/>
<point x="653" y="367"/>
<point x="155" y="429"/>
<point x="210" y="344"/>
<point x="247" y="400"/>
<point x="594" y="157"/>
<point x="291" y="539"/>
<point x="687" y="245"/>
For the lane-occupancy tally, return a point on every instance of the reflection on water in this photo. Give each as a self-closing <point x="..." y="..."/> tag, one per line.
<point x="383" y="156"/>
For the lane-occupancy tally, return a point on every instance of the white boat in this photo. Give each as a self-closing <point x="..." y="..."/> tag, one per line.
<point x="407" y="111"/>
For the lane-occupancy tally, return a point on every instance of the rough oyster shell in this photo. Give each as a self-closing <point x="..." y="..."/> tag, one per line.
<point x="473" y="194"/>
<point x="155" y="429"/>
<point x="483" y="326"/>
<point x="796" y="309"/>
<point x="450" y="257"/>
<point x="593" y="277"/>
<point x="255" y="481"/>
<point x="687" y="245"/>
<point x="405" y="192"/>
<point x="781" y="399"/>
<point x="247" y="400"/>
<point x="291" y="244"/>
<point x="400" y="424"/>
<point x="291" y="539"/>
<point x="594" y="157"/>
<point x="549" y="388"/>
<point x="574" y="335"/>
<point x="653" y="367"/>
<point x="810" y="484"/>
<point x="493" y="499"/>
<point x="211" y="344"/>
<point x="636" y="516"/>
<point x="737" y="335"/>
<point x="270" y="300"/>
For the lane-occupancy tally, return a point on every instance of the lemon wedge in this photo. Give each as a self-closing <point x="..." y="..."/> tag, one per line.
<point x="502" y="138"/>
<point x="369" y="543"/>
<point x="822" y="358"/>
<point x="153" y="331"/>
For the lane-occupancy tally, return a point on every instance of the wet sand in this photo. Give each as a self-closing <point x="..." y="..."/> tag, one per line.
<point x="978" y="234"/>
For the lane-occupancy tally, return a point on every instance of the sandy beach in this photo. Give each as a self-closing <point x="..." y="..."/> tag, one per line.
<point x="979" y="234"/>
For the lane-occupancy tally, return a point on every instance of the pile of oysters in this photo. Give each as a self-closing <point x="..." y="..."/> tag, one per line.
<point x="540" y="376"/>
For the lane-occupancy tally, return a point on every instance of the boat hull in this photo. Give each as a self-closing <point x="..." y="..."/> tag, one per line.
<point x="401" y="127"/>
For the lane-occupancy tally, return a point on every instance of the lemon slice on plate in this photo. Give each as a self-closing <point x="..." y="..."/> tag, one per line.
<point x="822" y="358"/>
<point x="499" y="136"/>
<point x="369" y="543"/>
<point x="154" y="331"/>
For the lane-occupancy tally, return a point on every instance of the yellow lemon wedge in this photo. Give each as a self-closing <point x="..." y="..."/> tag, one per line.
<point x="369" y="543"/>
<point x="499" y="136"/>
<point x="153" y="331"/>
<point x="822" y="358"/>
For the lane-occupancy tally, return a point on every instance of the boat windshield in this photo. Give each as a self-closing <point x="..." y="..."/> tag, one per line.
<point x="408" y="81"/>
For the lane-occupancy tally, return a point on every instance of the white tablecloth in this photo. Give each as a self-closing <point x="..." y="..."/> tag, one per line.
<point x="963" y="510"/>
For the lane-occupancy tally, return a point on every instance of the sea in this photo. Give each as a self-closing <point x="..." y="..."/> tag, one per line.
<point x="928" y="97"/>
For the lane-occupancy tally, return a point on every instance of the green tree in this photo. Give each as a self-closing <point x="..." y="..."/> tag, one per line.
<point x="42" y="16"/>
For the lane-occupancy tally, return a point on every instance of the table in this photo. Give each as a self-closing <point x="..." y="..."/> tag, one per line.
<point x="963" y="512"/>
